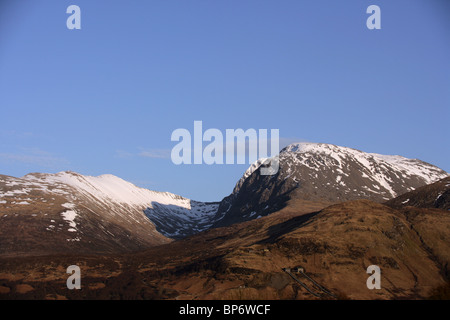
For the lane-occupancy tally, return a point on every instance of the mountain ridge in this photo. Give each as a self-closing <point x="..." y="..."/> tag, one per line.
<point x="69" y="211"/>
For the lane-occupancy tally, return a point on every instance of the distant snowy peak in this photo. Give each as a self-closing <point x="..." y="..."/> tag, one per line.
<point x="173" y="216"/>
<point x="324" y="172"/>
<point x="108" y="188"/>
<point x="69" y="212"/>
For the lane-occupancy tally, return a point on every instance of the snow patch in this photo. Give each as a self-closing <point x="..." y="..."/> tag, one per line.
<point x="70" y="216"/>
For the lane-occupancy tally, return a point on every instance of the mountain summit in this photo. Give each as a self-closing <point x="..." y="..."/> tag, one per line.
<point x="319" y="171"/>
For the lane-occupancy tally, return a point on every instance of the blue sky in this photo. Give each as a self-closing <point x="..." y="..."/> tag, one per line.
<point x="106" y="98"/>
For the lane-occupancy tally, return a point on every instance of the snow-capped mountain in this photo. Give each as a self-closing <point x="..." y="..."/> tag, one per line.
<point x="318" y="171"/>
<point x="72" y="212"/>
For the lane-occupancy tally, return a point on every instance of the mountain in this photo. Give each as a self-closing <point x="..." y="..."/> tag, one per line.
<point x="119" y="233"/>
<point x="69" y="212"/>
<point x="318" y="171"/>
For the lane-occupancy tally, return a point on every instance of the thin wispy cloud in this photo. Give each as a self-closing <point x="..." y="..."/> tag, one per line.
<point x="123" y="154"/>
<point x="156" y="153"/>
<point x="8" y="134"/>
<point x="34" y="156"/>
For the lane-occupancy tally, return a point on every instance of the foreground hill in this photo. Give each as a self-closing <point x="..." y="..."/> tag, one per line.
<point x="334" y="244"/>
<point x="435" y="195"/>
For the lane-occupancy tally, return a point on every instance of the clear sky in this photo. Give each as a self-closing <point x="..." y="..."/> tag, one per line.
<point x="106" y="98"/>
